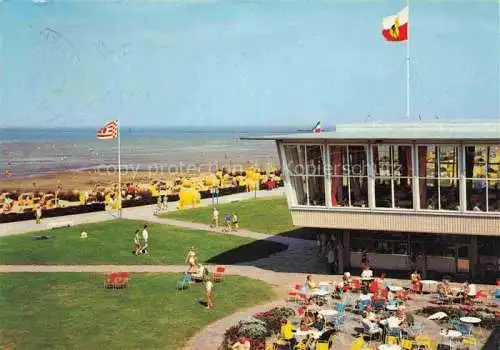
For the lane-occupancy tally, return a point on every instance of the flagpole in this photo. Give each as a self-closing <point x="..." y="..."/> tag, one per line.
<point x="408" y="63"/>
<point x="119" y="171"/>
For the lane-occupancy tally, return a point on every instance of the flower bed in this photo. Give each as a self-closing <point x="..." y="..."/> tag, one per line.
<point x="257" y="328"/>
<point x="489" y="318"/>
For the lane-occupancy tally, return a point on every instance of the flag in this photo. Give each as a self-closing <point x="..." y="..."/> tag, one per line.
<point x="395" y="28"/>
<point x="110" y="131"/>
<point x="317" y="128"/>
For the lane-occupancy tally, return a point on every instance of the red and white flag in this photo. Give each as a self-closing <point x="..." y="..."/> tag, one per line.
<point x="110" y="131"/>
<point x="395" y="28"/>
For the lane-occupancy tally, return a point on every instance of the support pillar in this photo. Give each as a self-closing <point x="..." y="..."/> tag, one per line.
<point x="473" y="256"/>
<point x="346" y="240"/>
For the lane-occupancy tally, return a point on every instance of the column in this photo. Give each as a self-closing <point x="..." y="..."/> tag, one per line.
<point x="473" y="256"/>
<point x="415" y="175"/>
<point x="422" y="174"/>
<point x="290" y="193"/>
<point x="328" y="176"/>
<point x="371" y="159"/>
<point x="346" y="242"/>
<point x="466" y="169"/>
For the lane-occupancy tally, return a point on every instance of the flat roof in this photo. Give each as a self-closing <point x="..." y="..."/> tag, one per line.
<point x="486" y="131"/>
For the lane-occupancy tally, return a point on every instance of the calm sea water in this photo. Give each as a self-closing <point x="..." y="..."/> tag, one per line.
<point x="33" y="152"/>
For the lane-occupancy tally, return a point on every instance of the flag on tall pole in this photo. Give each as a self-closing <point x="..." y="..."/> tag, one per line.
<point x="317" y="128"/>
<point x="395" y="28"/>
<point x="108" y="132"/>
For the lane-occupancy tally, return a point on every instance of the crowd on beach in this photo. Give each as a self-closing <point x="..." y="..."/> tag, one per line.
<point x="159" y="189"/>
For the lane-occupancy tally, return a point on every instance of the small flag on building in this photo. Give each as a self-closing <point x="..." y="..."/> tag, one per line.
<point x="317" y="128"/>
<point x="110" y="131"/>
<point x="395" y="28"/>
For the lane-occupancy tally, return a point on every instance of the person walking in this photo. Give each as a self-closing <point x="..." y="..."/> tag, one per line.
<point x="137" y="243"/>
<point x="145" y="237"/>
<point x="38" y="213"/>
<point x="215" y="218"/>
<point x="208" y="289"/>
<point x="331" y="259"/>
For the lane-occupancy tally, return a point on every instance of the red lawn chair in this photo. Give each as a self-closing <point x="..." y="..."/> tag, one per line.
<point x="116" y="280"/>
<point x="219" y="273"/>
<point x="356" y="285"/>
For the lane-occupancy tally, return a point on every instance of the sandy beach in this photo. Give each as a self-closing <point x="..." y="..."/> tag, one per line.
<point x="86" y="180"/>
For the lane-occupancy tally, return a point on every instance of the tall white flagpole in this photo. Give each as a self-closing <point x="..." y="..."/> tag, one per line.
<point x="119" y="171"/>
<point x="408" y="25"/>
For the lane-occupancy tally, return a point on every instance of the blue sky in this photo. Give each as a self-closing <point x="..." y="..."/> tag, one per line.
<point x="167" y="63"/>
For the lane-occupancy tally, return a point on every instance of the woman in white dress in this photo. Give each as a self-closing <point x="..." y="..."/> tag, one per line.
<point x="191" y="260"/>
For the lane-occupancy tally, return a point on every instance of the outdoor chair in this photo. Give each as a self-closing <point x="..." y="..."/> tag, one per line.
<point x="218" y="275"/>
<point x="292" y="297"/>
<point x="183" y="283"/>
<point x="464" y="329"/>
<point x="389" y="339"/>
<point x="362" y="304"/>
<point x="358" y="343"/>
<point x="470" y="342"/>
<point x="378" y="304"/>
<point x="373" y="331"/>
<point x="406" y="344"/>
<point x="356" y="286"/>
<point x="340" y="307"/>
<point x="116" y="280"/>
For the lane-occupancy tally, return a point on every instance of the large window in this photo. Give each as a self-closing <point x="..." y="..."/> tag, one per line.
<point x="393" y="176"/>
<point x="482" y="177"/>
<point x="348" y="169"/>
<point x="439" y="184"/>
<point x="304" y="164"/>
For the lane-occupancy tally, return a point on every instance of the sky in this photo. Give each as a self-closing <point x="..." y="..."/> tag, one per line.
<point x="244" y="63"/>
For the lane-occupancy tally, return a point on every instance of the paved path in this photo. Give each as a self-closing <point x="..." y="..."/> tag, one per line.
<point x="134" y="212"/>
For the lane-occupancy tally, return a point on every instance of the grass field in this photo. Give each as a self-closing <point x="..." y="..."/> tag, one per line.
<point x="111" y="242"/>
<point x="74" y="311"/>
<point x="265" y="215"/>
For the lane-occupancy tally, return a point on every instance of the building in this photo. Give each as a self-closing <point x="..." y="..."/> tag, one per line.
<point x="423" y="196"/>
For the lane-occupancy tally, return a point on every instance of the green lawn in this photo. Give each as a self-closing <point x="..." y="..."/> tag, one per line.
<point x="265" y="215"/>
<point x="111" y="242"/>
<point x="74" y="311"/>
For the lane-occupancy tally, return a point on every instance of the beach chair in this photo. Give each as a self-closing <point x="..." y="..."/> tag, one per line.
<point x="116" y="280"/>
<point x="470" y="342"/>
<point x="219" y="273"/>
<point x="183" y="283"/>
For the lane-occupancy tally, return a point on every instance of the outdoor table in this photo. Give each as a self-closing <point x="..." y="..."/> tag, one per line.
<point x="389" y="347"/>
<point x="429" y="286"/>
<point x="300" y="333"/>
<point x="396" y="289"/>
<point x="452" y="335"/>
<point x="319" y="292"/>
<point x="470" y="320"/>
<point x="328" y="312"/>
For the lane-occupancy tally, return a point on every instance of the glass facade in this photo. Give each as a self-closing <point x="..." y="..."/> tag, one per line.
<point x="482" y="169"/>
<point x="421" y="177"/>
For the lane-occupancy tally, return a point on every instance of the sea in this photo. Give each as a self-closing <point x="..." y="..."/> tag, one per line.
<point x="31" y="152"/>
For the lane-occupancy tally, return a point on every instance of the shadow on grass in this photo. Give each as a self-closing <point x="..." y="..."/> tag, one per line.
<point x="248" y="253"/>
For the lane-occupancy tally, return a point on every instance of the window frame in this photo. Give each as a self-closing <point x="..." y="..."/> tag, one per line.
<point x="391" y="176"/>
<point x="486" y="178"/>
<point x="306" y="174"/>
<point x="349" y="176"/>
<point x="458" y="166"/>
